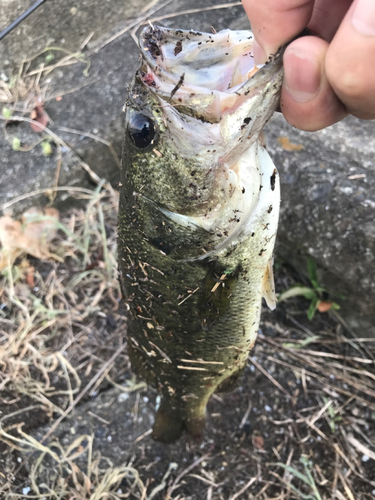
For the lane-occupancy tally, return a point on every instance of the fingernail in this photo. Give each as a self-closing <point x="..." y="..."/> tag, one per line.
<point x="258" y="53"/>
<point x="302" y="75"/>
<point x="363" y="18"/>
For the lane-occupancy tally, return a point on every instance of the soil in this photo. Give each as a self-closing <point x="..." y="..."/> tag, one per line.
<point x="274" y="417"/>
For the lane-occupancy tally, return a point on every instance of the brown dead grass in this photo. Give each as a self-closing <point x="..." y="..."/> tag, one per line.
<point x="46" y="305"/>
<point x="52" y="356"/>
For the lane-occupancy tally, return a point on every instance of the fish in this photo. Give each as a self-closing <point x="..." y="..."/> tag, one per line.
<point x="198" y="216"/>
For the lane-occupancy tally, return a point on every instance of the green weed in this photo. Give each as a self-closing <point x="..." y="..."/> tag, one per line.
<point x="306" y="477"/>
<point x="315" y="293"/>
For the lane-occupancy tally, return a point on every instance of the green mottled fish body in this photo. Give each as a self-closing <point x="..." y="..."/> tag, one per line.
<point x="198" y="216"/>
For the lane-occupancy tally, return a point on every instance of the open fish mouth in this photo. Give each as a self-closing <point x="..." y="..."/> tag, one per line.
<point x="214" y="72"/>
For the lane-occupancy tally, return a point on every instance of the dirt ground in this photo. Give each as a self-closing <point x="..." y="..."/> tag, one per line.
<point x="76" y="424"/>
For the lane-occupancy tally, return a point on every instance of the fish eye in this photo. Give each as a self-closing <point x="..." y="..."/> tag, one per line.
<point x="141" y="130"/>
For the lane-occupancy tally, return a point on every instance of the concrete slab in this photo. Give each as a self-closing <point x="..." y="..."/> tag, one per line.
<point x="92" y="104"/>
<point x="328" y="210"/>
<point x="66" y="24"/>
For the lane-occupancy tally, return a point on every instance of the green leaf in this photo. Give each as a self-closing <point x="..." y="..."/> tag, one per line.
<point x="311" y="270"/>
<point x="335" y="306"/>
<point x="295" y="291"/>
<point x="309" y="340"/>
<point x="47" y="149"/>
<point x="304" y="343"/>
<point x="16" y="144"/>
<point x="7" y="113"/>
<point x="49" y="58"/>
<point x="300" y="494"/>
<point x="289" y="345"/>
<point x="13" y="82"/>
<point x="312" y="309"/>
<point x="295" y="473"/>
<point x="332" y="426"/>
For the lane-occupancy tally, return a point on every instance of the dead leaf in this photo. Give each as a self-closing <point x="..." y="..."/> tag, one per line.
<point x="39" y="115"/>
<point x="32" y="235"/>
<point x="258" y="442"/>
<point x="30" y="276"/>
<point x="289" y="146"/>
<point x="324" y="306"/>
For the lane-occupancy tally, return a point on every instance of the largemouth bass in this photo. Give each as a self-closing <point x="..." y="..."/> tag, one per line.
<point x="198" y="217"/>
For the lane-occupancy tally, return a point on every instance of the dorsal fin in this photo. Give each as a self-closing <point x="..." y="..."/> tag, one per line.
<point x="268" y="286"/>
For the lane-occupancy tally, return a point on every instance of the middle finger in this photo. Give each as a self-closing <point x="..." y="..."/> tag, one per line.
<point x="327" y="17"/>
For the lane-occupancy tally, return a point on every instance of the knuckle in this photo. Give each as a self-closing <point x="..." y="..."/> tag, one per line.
<point x="357" y="92"/>
<point x="352" y="84"/>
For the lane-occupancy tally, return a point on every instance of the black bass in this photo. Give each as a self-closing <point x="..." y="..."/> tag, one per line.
<point x="199" y="210"/>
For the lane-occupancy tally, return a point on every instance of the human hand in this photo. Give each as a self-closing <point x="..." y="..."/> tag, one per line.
<point x="327" y="77"/>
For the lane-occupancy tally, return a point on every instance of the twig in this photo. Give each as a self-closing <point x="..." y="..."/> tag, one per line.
<point x="182" y="474"/>
<point x="194" y="11"/>
<point x="98" y="418"/>
<point x="86" y="167"/>
<point x="355" y="337"/>
<point x="275" y="382"/>
<point x="96" y="138"/>
<point x="182" y="13"/>
<point x="8" y="204"/>
<point x="142" y="436"/>
<point x="246" y="415"/>
<point x="360" y="447"/>
<point x="72" y="90"/>
<point x="362" y="400"/>
<point x="348" y="491"/>
<point x="243" y="489"/>
<point x="188" y="297"/>
<point x="136" y="22"/>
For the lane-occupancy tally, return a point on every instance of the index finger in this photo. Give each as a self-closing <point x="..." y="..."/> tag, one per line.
<point x="275" y="22"/>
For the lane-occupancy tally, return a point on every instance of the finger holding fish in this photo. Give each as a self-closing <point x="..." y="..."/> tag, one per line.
<point x="307" y="99"/>
<point x="335" y="78"/>
<point x="350" y="60"/>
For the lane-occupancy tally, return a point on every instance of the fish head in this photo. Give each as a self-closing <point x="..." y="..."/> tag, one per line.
<point x="197" y="105"/>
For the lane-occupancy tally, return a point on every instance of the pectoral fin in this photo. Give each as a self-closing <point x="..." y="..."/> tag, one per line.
<point x="268" y="286"/>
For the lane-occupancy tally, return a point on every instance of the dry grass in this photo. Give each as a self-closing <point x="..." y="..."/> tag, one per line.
<point x="52" y="355"/>
<point x="338" y="371"/>
<point x="49" y="308"/>
<point x="52" y="334"/>
<point x="93" y="479"/>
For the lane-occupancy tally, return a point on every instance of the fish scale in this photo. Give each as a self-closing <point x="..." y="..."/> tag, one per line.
<point x="195" y="261"/>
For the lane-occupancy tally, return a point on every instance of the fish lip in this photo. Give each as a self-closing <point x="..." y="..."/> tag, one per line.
<point x="153" y="38"/>
<point x="148" y="43"/>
